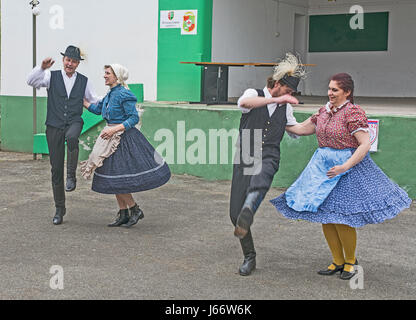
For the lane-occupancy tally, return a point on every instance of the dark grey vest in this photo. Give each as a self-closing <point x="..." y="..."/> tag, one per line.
<point x="272" y="129"/>
<point x="63" y="111"/>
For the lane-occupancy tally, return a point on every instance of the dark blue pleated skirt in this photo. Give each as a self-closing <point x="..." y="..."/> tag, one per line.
<point x="135" y="166"/>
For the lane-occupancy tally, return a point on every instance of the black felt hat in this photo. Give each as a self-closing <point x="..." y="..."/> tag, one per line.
<point x="73" y="53"/>
<point x="291" y="82"/>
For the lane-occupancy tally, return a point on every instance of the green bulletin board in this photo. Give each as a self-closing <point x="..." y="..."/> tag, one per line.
<point x="332" y="33"/>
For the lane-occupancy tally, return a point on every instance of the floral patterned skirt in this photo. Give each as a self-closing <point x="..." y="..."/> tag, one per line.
<point x="364" y="195"/>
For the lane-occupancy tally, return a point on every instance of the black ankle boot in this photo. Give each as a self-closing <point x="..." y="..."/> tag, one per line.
<point x="244" y="222"/>
<point x="245" y="219"/>
<point x="249" y="263"/>
<point x="59" y="199"/>
<point x="71" y="184"/>
<point x="71" y="165"/>
<point x="135" y="215"/>
<point x="59" y="215"/>
<point x="122" y="217"/>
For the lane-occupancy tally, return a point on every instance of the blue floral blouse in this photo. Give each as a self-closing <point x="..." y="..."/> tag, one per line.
<point x="118" y="106"/>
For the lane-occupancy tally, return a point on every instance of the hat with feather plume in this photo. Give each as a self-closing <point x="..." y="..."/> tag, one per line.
<point x="289" y="71"/>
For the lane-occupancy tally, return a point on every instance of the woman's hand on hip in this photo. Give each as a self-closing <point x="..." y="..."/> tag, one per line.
<point x="336" y="170"/>
<point x="108" y="133"/>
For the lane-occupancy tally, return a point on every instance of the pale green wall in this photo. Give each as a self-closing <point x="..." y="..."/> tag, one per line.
<point x="395" y="156"/>
<point x="16" y="122"/>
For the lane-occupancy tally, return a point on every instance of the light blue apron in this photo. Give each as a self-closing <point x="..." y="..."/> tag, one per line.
<point x="313" y="186"/>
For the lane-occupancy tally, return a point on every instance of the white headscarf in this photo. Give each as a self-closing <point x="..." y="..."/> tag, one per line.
<point x="121" y="73"/>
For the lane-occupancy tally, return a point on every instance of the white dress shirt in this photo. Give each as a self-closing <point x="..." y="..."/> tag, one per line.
<point x="290" y="118"/>
<point x="39" y="78"/>
<point x="251" y="93"/>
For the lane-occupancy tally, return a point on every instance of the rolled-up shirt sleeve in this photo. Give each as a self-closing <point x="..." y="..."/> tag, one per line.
<point x="39" y="78"/>
<point x="249" y="93"/>
<point x="90" y="94"/>
<point x="290" y="120"/>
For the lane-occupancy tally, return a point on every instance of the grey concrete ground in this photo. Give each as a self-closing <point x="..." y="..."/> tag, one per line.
<point x="184" y="248"/>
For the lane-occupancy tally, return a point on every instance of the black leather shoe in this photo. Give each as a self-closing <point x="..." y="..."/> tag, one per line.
<point x="71" y="184"/>
<point x="246" y="216"/>
<point x="248" y="265"/>
<point x="122" y="217"/>
<point x="330" y="272"/>
<point x="244" y="221"/>
<point x="135" y="215"/>
<point x="345" y="275"/>
<point x="59" y="215"/>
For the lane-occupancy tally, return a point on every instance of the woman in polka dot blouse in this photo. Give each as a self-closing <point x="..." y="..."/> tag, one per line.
<point x="341" y="187"/>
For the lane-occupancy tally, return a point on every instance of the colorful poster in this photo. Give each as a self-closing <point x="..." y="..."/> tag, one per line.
<point x="189" y="22"/>
<point x="170" y="19"/>
<point x="373" y="126"/>
<point x="186" y="20"/>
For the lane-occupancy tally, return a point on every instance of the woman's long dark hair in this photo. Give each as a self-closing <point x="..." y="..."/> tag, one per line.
<point x="346" y="83"/>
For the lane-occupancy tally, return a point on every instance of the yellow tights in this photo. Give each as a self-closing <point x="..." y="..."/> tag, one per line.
<point x="341" y="239"/>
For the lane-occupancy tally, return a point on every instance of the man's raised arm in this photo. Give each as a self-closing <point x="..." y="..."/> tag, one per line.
<point x="40" y="76"/>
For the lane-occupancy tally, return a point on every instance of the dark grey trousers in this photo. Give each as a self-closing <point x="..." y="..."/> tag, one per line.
<point x="56" y="143"/>
<point x="242" y="185"/>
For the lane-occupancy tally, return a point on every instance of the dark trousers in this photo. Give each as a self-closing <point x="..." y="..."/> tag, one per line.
<point x="56" y="143"/>
<point x="242" y="184"/>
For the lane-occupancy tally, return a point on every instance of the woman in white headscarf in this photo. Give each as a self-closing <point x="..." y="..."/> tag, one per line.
<point x="122" y="160"/>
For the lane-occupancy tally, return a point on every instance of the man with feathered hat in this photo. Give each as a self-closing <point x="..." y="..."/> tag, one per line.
<point x="66" y="91"/>
<point x="266" y="115"/>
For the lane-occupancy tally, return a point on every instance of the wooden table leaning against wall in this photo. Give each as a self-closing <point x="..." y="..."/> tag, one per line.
<point x="214" y="84"/>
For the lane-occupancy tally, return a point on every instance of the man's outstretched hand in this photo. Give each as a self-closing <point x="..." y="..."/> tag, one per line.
<point x="47" y="63"/>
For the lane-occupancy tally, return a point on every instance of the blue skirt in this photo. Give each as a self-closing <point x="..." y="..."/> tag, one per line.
<point x="364" y="195"/>
<point x="135" y="166"/>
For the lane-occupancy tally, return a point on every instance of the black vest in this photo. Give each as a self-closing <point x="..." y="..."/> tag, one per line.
<point x="63" y="111"/>
<point x="272" y="129"/>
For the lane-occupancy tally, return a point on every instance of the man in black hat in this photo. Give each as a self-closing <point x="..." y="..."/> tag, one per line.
<point x="66" y="90"/>
<point x="266" y="115"/>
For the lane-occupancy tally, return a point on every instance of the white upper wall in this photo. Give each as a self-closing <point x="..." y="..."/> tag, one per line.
<point x="245" y="31"/>
<point x="122" y="32"/>
<point x="252" y="31"/>
<point x="389" y="73"/>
